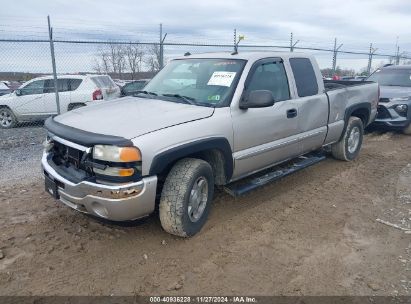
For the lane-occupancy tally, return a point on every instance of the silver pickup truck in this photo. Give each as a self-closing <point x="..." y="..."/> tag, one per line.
<point x="236" y="121"/>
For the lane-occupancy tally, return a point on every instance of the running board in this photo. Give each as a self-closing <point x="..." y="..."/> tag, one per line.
<point x="263" y="178"/>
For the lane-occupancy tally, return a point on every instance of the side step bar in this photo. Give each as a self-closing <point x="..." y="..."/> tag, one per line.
<point x="260" y="179"/>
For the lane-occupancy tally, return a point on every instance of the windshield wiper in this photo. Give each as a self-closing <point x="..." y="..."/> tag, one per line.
<point x="186" y="99"/>
<point x="146" y="93"/>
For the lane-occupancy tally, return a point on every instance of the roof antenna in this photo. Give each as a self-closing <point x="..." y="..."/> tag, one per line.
<point x="187" y="54"/>
<point x="236" y="42"/>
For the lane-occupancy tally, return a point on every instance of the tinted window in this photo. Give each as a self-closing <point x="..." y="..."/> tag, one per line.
<point x="74" y="84"/>
<point x="392" y="77"/>
<point x="103" y="81"/>
<point x="270" y="76"/>
<point x="35" y="87"/>
<point x="304" y="75"/>
<point x="62" y="85"/>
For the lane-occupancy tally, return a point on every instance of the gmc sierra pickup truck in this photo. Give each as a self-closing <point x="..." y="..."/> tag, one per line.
<point x="216" y="119"/>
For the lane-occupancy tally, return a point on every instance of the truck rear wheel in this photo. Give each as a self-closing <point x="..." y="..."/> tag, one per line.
<point x="186" y="197"/>
<point x="349" y="145"/>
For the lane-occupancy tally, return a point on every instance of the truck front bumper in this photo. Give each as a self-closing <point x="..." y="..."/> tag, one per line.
<point x="113" y="202"/>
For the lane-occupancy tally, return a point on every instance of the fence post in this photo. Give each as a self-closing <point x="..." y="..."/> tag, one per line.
<point x="335" y="52"/>
<point x="397" y="57"/>
<point x="292" y="45"/>
<point x="161" y="46"/>
<point x="53" y="63"/>
<point x="372" y="51"/>
<point x="235" y="41"/>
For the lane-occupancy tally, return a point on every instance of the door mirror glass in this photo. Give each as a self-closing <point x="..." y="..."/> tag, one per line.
<point x="258" y="99"/>
<point x="18" y="92"/>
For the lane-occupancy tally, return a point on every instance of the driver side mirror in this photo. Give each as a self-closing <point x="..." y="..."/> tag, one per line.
<point x="18" y="92"/>
<point x="257" y="99"/>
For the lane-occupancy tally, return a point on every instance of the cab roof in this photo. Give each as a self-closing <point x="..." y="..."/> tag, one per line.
<point x="251" y="56"/>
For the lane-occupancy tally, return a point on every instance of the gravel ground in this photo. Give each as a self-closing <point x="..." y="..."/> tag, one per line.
<point x="312" y="233"/>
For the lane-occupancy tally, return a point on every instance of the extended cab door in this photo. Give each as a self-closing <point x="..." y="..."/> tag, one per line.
<point x="265" y="136"/>
<point x="312" y="103"/>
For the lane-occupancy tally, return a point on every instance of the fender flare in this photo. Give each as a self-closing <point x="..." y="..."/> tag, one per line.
<point x="351" y="109"/>
<point x="163" y="160"/>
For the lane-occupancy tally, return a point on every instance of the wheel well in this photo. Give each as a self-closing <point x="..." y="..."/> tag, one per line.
<point x="362" y="114"/>
<point x="214" y="157"/>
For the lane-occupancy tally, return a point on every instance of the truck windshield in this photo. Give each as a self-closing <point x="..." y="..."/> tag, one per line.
<point x="207" y="82"/>
<point x="392" y="77"/>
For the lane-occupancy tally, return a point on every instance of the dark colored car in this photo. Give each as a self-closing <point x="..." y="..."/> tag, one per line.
<point x="133" y="87"/>
<point x="394" y="109"/>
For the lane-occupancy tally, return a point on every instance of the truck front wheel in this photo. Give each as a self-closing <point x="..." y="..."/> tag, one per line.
<point x="186" y="197"/>
<point x="349" y="145"/>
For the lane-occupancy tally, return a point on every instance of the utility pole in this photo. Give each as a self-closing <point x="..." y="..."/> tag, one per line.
<point x="161" y="46"/>
<point x="397" y="56"/>
<point x="372" y="51"/>
<point x="53" y="63"/>
<point x="335" y="52"/>
<point x="292" y="45"/>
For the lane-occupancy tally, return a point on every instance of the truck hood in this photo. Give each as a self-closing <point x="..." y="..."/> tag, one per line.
<point x="131" y="117"/>
<point x="394" y="91"/>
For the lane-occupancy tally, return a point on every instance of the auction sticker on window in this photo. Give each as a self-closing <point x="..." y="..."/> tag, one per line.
<point x="223" y="79"/>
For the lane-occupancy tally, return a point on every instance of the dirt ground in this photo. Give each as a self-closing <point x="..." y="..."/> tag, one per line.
<point x="312" y="233"/>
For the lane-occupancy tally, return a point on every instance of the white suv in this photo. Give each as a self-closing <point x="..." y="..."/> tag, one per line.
<point x="35" y="100"/>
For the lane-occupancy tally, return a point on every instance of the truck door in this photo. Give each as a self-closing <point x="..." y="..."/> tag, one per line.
<point x="265" y="136"/>
<point x="312" y="104"/>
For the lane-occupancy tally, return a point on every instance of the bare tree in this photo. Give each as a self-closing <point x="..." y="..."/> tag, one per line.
<point x="134" y="56"/>
<point x="153" y="58"/>
<point x="102" y="63"/>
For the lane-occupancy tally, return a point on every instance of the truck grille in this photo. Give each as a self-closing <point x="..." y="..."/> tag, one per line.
<point x="383" y="113"/>
<point x="66" y="155"/>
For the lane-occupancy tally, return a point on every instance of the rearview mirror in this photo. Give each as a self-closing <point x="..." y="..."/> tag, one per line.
<point x="257" y="99"/>
<point x="18" y="92"/>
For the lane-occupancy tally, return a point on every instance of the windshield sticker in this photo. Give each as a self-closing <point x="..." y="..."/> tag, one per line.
<point x="225" y="63"/>
<point x="223" y="79"/>
<point x="213" y="98"/>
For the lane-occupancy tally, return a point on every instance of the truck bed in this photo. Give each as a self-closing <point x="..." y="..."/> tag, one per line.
<point x="339" y="84"/>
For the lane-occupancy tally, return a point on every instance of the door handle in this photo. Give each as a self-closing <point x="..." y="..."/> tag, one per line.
<point x="291" y="113"/>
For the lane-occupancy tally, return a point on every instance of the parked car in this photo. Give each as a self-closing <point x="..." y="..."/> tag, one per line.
<point x="35" y="100"/>
<point x="240" y="115"/>
<point x="394" y="110"/>
<point x="4" y="89"/>
<point x="133" y="87"/>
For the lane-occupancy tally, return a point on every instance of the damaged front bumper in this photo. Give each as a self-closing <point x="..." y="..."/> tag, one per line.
<point x="113" y="202"/>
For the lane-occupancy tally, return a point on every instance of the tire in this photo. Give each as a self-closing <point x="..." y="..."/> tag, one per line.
<point x="7" y="118"/>
<point x="182" y="212"/>
<point x="407" y="130"/>
<point x="349" y="146"/>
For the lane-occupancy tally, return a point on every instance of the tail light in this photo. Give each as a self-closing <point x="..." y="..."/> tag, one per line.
<point x="97" y="95"/>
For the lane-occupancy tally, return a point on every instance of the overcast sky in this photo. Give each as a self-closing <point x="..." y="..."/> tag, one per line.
<point x="315" y="23"/>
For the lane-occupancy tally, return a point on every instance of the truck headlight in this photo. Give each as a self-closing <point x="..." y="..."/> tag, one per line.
<point x="119" y="161"/>
<point x="116" y="154"/>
